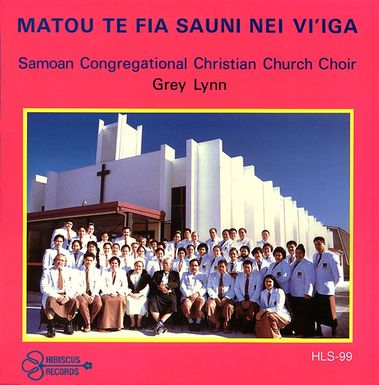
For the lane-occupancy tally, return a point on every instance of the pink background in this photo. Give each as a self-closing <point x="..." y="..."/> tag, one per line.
<point x="183" y="363"/>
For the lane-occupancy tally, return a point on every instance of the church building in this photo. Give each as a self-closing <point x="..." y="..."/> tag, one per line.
<point x="157" y="193"/>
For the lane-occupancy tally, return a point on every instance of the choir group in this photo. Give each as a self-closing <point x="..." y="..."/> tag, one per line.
<point x="223" y="283"/>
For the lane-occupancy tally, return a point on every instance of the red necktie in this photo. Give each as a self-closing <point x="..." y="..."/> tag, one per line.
<point x="60" y="279"/>
<point x="247" y="288"/>
<point x="113" y="277"/>
<point x="220" y="286"/>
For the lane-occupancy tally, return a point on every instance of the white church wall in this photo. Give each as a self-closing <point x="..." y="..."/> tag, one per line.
<point x="268" y="207"/>
<point x="257" y="203"/>
<point x="279" y="218"/>
<point x="206" y="185"/>
<point x="192" y="174"/>
<point x="37" y="193"/>
<point x="51" y="191"/>
<point x="245" y="185"/>
<point x="178" y="177"/>
<point x="237" y="192"/>
<point x="167" y="156"/>
<point x="289" y="219"/>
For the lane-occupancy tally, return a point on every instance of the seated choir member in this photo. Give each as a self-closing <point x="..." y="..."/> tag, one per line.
<point x="220" y="289"/>
<point x="50" y="254"/>
<point x="181" y="264"/>
<point x="136" y="300"/>
<point x="301" y="291"/>
<point x="247" y="287"/>
<point x="114" y="290"/>
<point x="163" y="299"/>
<point x="280" y="269"/>
<point x="58" y="294"/>
<point x="193" y="288"/>
<point x="273" y="315"/>
<point x="89" y="284"/>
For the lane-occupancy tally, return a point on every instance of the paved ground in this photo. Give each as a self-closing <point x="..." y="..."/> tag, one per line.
<point x="33" y="310"/>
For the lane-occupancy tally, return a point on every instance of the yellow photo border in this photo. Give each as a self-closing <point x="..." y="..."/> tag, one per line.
<point x="27" y="338"/>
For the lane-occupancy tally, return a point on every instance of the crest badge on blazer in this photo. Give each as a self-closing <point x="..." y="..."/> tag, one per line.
<point x="299" y="274"/>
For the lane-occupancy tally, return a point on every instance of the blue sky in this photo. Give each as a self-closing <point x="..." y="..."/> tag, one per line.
<point x="306" y="155"/>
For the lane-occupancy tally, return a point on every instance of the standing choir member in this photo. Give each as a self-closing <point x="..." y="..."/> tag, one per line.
<point x="138" y="282"/>
<point x="181" y="264"/>
<point x="58" y="294"/>
<point x="280" y="269"/>
<point x="163" y="300"/>
<point x="75" y="257"/>
<point x="259" y="263"/>
<point x="247" y="287"/>
<point x="50" y="254"/>
<point x="173" y="246"/>
<point x="213" y="238"/>
<point x="220" y="289"/>
<point x="114" y="290"/>
<point x="273" y="314"/>
<point x="89" y="284"/>
<point x="193" y="289"/>
<point x="125" y="239"/>
<point x="67" y="232"/>
<point x="267" y="253"/>
<point x="203" y="258"/>
<point x="234" y="266"/>
<point x="301" y="291"/>
<point x="328" y="275"/>
<point x="244" y="240"/>
<point x="291" y="248"/>
<point x="265" y="238"/>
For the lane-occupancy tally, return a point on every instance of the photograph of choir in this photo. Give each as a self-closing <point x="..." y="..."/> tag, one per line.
<point x="222" y="284"/>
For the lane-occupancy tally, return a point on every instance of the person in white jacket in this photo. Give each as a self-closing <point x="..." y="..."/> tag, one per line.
<point x="193" y="288"/>
<point x="247" y="287"/>
<point x="114" y="290"/>
<point x="58" y="294"/>
<point x="301" y="292"/>
<point x="88" y="287"/>
<point x="220" y="289"/>
<point x="328" y="275"/>
<point x="273" y="315"/>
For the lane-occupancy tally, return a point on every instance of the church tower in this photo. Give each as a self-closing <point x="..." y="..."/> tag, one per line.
<point x="118" y="140"/>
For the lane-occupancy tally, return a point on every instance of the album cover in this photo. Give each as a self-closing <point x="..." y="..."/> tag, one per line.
<point x="239" y="125"/>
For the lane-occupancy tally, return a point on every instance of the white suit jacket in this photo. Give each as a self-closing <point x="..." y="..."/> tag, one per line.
<point x="120" y="285"/>
<point x="94" y="279"/>
<point x="49" y="283"/>
<point x="302" y="279"/>
<point x="327" y="273"/>
<point x="121" y="241"/>
<point x="276" y="304"/>
<point x="50" y="254"/>
<point x="227" y="288"/>
<point x="255" y="286"/>
<point x="190" y="284"/>
<point x="62" y="231"/>
<point x="282" y="273"/>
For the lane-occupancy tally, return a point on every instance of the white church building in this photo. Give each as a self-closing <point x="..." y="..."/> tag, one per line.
<point x="206" y="188"/>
